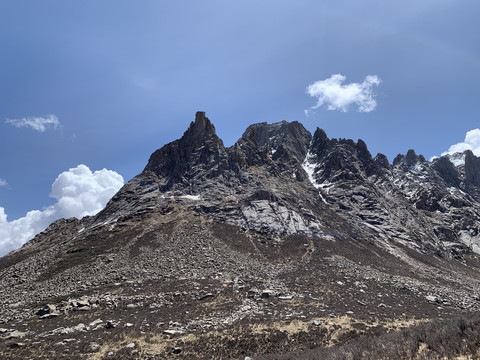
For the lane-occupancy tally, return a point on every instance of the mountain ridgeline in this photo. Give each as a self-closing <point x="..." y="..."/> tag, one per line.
<point x="278" y="178"/>
<point x="283" y="242"/>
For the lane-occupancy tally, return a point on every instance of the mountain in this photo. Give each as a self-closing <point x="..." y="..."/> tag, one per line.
<point x="283" y="242"/>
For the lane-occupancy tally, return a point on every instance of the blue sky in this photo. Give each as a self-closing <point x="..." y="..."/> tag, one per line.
<point x="123" y="78"/>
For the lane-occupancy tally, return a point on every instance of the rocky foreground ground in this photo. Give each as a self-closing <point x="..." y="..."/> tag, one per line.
<point x="202" y="289"/>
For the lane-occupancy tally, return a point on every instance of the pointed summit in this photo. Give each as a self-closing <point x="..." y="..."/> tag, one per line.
<point x="409" y="160"/>
<point x="200" y="131"/>
<point x="200" y="126"/>
<point x="200" y="117"/>
<point x="320" y="141"/>
<point x="198" y="153"/>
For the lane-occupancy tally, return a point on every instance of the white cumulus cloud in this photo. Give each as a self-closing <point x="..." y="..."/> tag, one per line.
<point x="336" y="95"/>
<point x="472" y="142"/>
<point x="3" y="182"/>
<point x="78" y="191"/>
<point x="35" y="122"/>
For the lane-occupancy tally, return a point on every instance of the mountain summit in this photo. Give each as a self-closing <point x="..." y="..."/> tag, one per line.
<point x="212" y="250"/>
<point x="278" y="178"/>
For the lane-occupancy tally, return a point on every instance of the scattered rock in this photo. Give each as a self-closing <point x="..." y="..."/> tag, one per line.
<point x="82" y="303"/>
<point x="174" y="331"/>
<point x="253" y="292"/>
<point x="206" y="296"/>
<point x="94" y="323"/>
<point x="80" y="327"/>
<point x="110" y="324"/>
<point x="64" y="331"/>
<point x="267" y="293"/>
<point x="50" y="315"/>
<point x="94" y="347"/>
<point x="47" y="309"/>
<point x="16" y="334"/>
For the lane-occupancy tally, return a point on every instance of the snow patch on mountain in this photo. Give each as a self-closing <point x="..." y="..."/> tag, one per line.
<point x="309" y="168"/>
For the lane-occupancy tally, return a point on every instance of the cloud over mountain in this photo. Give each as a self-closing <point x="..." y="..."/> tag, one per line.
<point x="37" y="123"/>
<point x="335" y="95"/>
<point x="471" y="142"/>
<point x="78" y="191"/>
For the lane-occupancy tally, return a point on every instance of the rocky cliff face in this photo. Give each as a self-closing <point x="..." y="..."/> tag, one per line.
<point x="278" y="178"/>
<point x="282" y="226"/>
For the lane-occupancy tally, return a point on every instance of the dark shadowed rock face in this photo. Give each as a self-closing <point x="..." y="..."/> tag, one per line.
<point x="341" y="159"/>
<point x="382" y="161"/>
<point x="197" y="156"/>
<point x="472" y="169"/>
<point x="281" y="147"/>
<point x="447" y="171"/>
<point x="283" y="241"/>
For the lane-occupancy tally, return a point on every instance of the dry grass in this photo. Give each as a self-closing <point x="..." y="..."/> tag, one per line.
<point x="457" y="338"/>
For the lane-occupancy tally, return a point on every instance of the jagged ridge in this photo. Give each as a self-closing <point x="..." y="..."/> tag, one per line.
<point x="279" y="178"/>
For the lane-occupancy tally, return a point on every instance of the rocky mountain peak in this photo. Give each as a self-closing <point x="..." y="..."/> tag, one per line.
<point x="382" y="161"/>
<point x="280" y="229"/>
<point x="447" y="171"/>
<point x="320" y="140"/>
<point x="263" y="134"/>
<point x="409" y="160"/>
<point x="178" y="162"/>
<point x="257" y="134"/>
<point x="412" y="158"/>
<point x="472" y="168"/>
<point x="279" y="178"/>
<point x="341" y="158"/>
<point x="281" y="145"/>
<point x="201" y="127"/>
